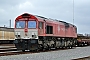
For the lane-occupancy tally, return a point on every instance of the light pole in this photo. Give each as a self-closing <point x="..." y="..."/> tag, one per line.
<point x="10" y="23"/>
<point x="73" y="12"/>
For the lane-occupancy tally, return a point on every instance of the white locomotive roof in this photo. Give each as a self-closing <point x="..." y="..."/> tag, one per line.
<point x="55" y="20"/>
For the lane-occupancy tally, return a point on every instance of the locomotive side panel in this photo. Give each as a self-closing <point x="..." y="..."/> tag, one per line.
<point x="57" y="29"/>
<point x="71" y="32"/>
<point x="61" y="30"/>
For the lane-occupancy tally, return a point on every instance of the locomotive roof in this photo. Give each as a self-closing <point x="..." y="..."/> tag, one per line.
<point x="37" y="16"/>
<point x="54" y="20"/>
<point x="51" y="19"/>
<point x="40" y="17"/>
<point x="47" y="19"/>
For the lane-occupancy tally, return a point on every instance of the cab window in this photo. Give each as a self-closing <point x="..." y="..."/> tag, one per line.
<point x="31" y="24"/>
<point x="20" y="24"/>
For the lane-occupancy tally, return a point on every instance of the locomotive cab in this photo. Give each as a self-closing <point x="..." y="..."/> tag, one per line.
<point x="26" y="32"/>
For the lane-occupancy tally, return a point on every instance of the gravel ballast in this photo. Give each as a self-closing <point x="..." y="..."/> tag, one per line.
<point x="53" y="55"/>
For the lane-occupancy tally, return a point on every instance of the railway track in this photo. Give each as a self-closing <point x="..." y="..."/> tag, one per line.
<point x="7" y="47"/>
<point x="84" y="58"/>
<point x="6" y="50"/>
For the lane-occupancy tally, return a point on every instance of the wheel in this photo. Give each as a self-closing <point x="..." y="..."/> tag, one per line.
<point x="44" y="49"/>
<point x="23" y="50"/>
<point x="37" y="50"/>
<point x="48" y="48"/>
<point x="70" y="47"/>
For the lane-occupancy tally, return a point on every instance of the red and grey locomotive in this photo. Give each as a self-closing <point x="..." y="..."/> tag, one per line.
<point x="34" y="32"/>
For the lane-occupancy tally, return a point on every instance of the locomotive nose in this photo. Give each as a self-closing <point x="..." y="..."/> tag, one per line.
<point x="25" y="30"/>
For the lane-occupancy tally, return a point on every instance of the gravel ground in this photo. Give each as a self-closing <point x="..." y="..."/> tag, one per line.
<point x="54" y="55"/>
<point x="84" y="58"/>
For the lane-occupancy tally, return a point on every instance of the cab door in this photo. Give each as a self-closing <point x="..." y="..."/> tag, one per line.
<point x="41" y="28"/>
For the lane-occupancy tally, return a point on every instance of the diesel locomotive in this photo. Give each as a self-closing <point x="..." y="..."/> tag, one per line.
<point x="33" y="32"/>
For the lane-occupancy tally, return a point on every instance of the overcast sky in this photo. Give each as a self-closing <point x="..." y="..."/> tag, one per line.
<point x="55" y="9"/>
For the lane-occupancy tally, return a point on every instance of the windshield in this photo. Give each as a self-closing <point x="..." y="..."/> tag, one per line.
<point x="20" y="24"/>
<point x="31" y="24"/>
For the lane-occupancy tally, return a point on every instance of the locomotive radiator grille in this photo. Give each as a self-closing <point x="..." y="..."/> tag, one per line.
<point x="31" y="34"/>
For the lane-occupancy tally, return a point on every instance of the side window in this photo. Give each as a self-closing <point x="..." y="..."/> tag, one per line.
<point x="40" y="25"/>
<point x="49" y="29"/>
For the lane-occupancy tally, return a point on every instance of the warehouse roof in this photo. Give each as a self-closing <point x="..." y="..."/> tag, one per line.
<point x="6" y="29"/>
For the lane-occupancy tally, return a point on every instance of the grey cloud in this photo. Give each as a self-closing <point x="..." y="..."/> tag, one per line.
<point x="55" y="9"/>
